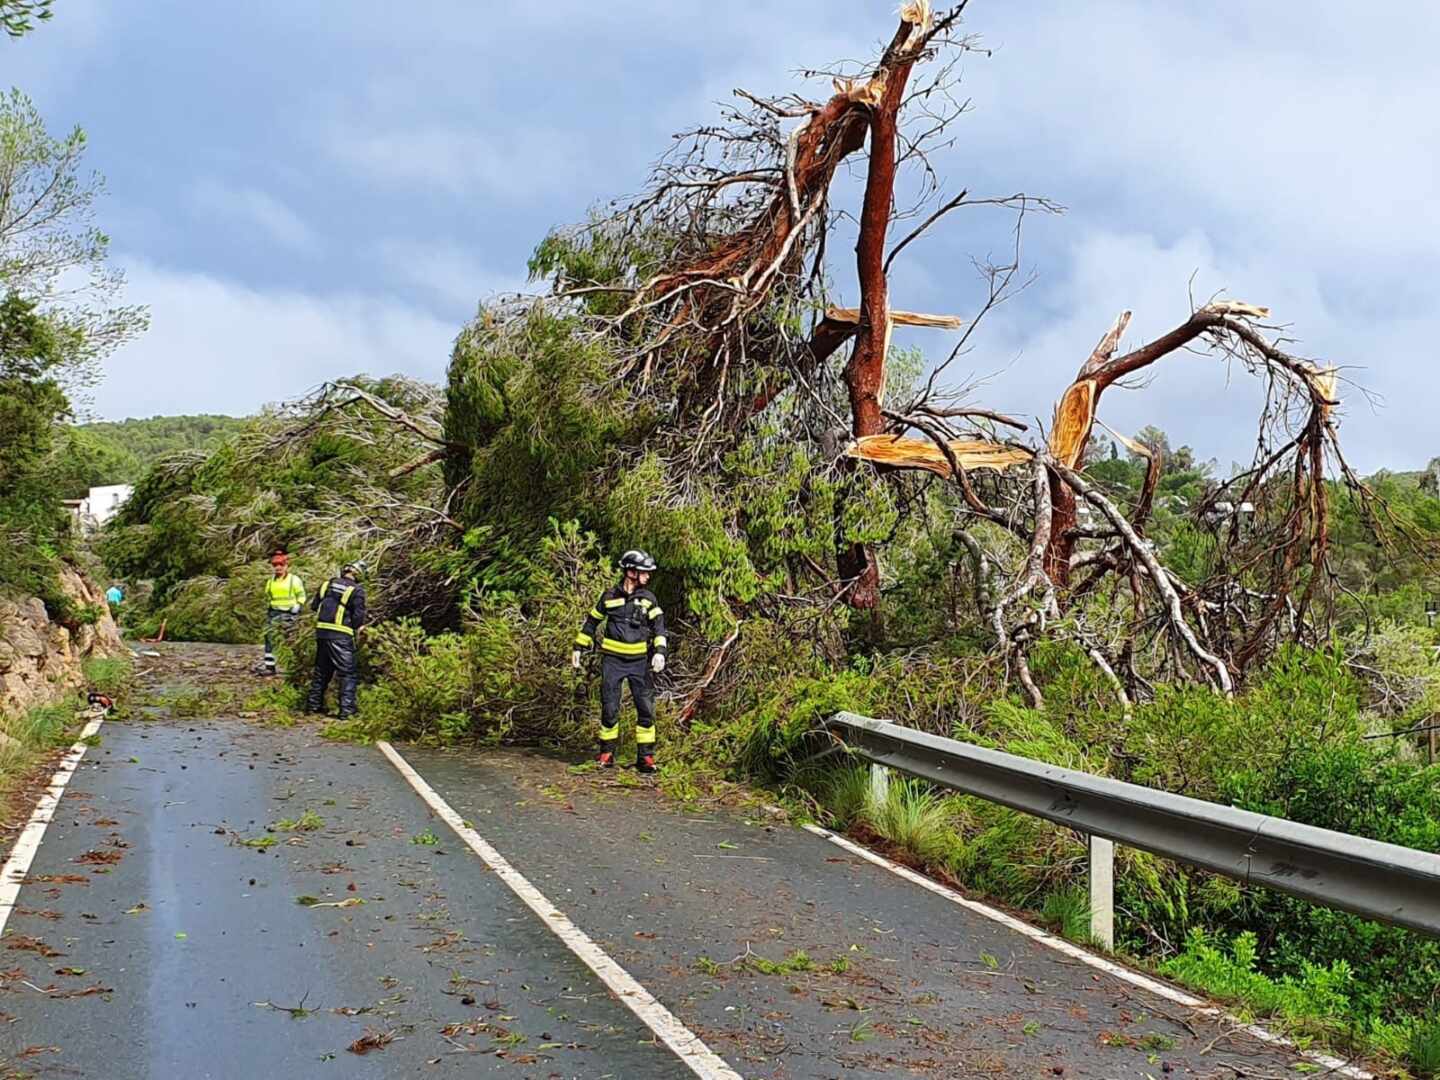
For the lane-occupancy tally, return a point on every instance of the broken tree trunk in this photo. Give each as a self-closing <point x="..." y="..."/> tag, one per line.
<point x="1076" y="410"/>
<point x="865" y="374"/>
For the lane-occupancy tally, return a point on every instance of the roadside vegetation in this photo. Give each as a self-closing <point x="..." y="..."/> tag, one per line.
<point x="31" y="737"/>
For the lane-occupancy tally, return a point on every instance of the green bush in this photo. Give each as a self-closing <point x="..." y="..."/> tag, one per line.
<point x="1318" y="996"/>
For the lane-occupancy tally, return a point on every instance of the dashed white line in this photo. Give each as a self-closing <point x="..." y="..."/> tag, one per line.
<point x="687" y="1046"/>
<point x="1134" y="978"/>
<point x="17" y="866"/>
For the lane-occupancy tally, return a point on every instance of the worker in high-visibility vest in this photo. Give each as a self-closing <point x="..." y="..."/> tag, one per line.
<point x="339" y="615"/>
<point x="632" y="649"/>
<point x="285" y="597"/>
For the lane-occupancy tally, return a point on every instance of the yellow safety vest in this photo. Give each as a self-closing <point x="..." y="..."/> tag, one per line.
<point x="285" y="592"/>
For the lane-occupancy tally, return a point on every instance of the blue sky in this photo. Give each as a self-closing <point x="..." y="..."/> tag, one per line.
<point x="304" y="191"/>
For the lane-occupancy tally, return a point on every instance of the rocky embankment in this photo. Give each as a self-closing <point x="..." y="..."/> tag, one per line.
<point x="40" y="660"/>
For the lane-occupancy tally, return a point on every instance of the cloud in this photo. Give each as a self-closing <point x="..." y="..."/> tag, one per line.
<point x="219" y="346"/>
<point x="521" y="165"/>
<point x="1034" y="350"/>
<point x="252" y="208"/>
<point x="449" y="274"/>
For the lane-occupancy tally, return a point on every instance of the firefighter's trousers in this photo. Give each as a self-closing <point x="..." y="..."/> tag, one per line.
<point x="615" y="672"/>
<point x="334" y="656"/>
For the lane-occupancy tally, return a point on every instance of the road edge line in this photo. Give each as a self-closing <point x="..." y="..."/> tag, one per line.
<point x="1100" y="963"/>
<point x="683" y="1042"/>
<point x="27" y="844"/>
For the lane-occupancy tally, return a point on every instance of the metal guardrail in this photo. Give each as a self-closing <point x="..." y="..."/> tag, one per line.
<point x="1385" y="882"/>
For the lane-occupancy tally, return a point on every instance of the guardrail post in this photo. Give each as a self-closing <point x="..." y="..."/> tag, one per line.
<point x="879" y="784"/>
<point x="1102" y="891"/>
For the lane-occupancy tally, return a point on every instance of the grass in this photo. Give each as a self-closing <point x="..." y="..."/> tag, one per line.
<point x="31" y="736"/>
<point x="108" y="675"/>
<point x="915" y="817"/>
<point x="309" y="821"/>
<point x="1068" y="910"/>
<point x="795" y="963"/>
<point x="1425" y="1049"/>
<point x="425" y="839"/>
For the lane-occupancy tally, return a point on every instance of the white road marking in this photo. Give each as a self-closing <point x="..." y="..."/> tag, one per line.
<point x="688" y="1047"/>
<point x="17" y="866"/>
<point x="1134" y="978"/>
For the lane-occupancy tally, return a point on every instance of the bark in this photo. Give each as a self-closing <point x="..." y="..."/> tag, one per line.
<point x="865" y="374"/>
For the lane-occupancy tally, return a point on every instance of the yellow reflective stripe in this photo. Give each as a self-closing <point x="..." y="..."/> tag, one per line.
<point x="660" y="641"/>
<point x="595" y="614"/>
<point x="339" y="623"/>
<point x="609" y="734"/>
<point x="644" y="735"/>
<point x="656" y="611"/>
<point x="615" y="603"/>
<point x="624" y="648"/>
<point x="584" y="639"/>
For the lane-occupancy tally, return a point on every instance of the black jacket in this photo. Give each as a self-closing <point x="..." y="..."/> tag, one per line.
<point x="634" y="624"/>
<point x="335" y="616"/>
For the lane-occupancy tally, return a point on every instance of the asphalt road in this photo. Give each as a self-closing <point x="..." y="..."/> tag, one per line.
<point x="151" y="941"/>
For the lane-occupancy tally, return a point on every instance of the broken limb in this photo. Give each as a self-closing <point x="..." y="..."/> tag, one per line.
<point x="1140" y="550"/>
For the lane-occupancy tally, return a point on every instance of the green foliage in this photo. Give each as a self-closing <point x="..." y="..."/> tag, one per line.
<point x="230" y="610"/>
<point x="199" y="524"/>
<point x="425" y="685"/>
<point x="109" y="675"/>
<point x="1424" y="1049"/>
<point x="915" y="818"/>
<point x="18" y="17"/>
<point x="141" y="443"/>
<point x="33" y="527"/>
<point x="51" y="252"/>
<point x="1068" y="909"/>
<point x="1318" y="996"/>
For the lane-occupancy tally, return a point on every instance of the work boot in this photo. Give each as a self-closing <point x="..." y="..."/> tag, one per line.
<point x="645" y="763"/>
<point x="606" y="759"/>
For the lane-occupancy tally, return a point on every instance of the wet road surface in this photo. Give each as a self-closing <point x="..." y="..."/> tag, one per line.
<point x="152" y="941"/>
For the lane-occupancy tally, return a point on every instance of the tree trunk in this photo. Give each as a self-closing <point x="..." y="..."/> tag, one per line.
<point x="865" y="374"/>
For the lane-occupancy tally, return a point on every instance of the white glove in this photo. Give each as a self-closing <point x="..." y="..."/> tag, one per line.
<point x="657" y="663"/>
<point x="575" y="659"/>
<point x="294" y="609"/>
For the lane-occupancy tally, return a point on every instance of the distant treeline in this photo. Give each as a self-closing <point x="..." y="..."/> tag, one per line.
<point x="119" y="452"/>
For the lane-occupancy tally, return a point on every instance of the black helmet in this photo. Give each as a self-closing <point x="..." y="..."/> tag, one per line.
<point x="637" y="560"/>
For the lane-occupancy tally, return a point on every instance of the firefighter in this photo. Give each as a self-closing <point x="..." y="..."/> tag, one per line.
<point x="285" y="596"/>
<point x="632" y="649"/>
<point x="339" y="615"/>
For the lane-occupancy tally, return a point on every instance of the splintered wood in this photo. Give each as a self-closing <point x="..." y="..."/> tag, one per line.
<point x="851" y="316"/>
<point x="905" y="453"/>
<point x="1074" y="415"/>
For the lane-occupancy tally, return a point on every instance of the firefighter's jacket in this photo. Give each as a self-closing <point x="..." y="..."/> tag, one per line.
<point x="339" y="609"/>
<point x="634" y="624"/>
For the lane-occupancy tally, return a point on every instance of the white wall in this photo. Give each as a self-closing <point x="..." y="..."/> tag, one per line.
<point x="102" y="502"/>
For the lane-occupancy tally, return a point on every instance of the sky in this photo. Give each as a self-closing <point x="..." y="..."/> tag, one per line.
<point x="304" y="191"/>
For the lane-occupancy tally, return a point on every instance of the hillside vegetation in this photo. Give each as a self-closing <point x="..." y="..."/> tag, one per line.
<point x="120" y="452"/>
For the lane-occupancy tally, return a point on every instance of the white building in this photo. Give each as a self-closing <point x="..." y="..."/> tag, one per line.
<point x="99" y="506"/>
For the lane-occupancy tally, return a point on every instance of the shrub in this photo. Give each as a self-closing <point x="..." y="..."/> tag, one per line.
<point x="1424" y="1049"/>
<point x="108" y="675"/>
